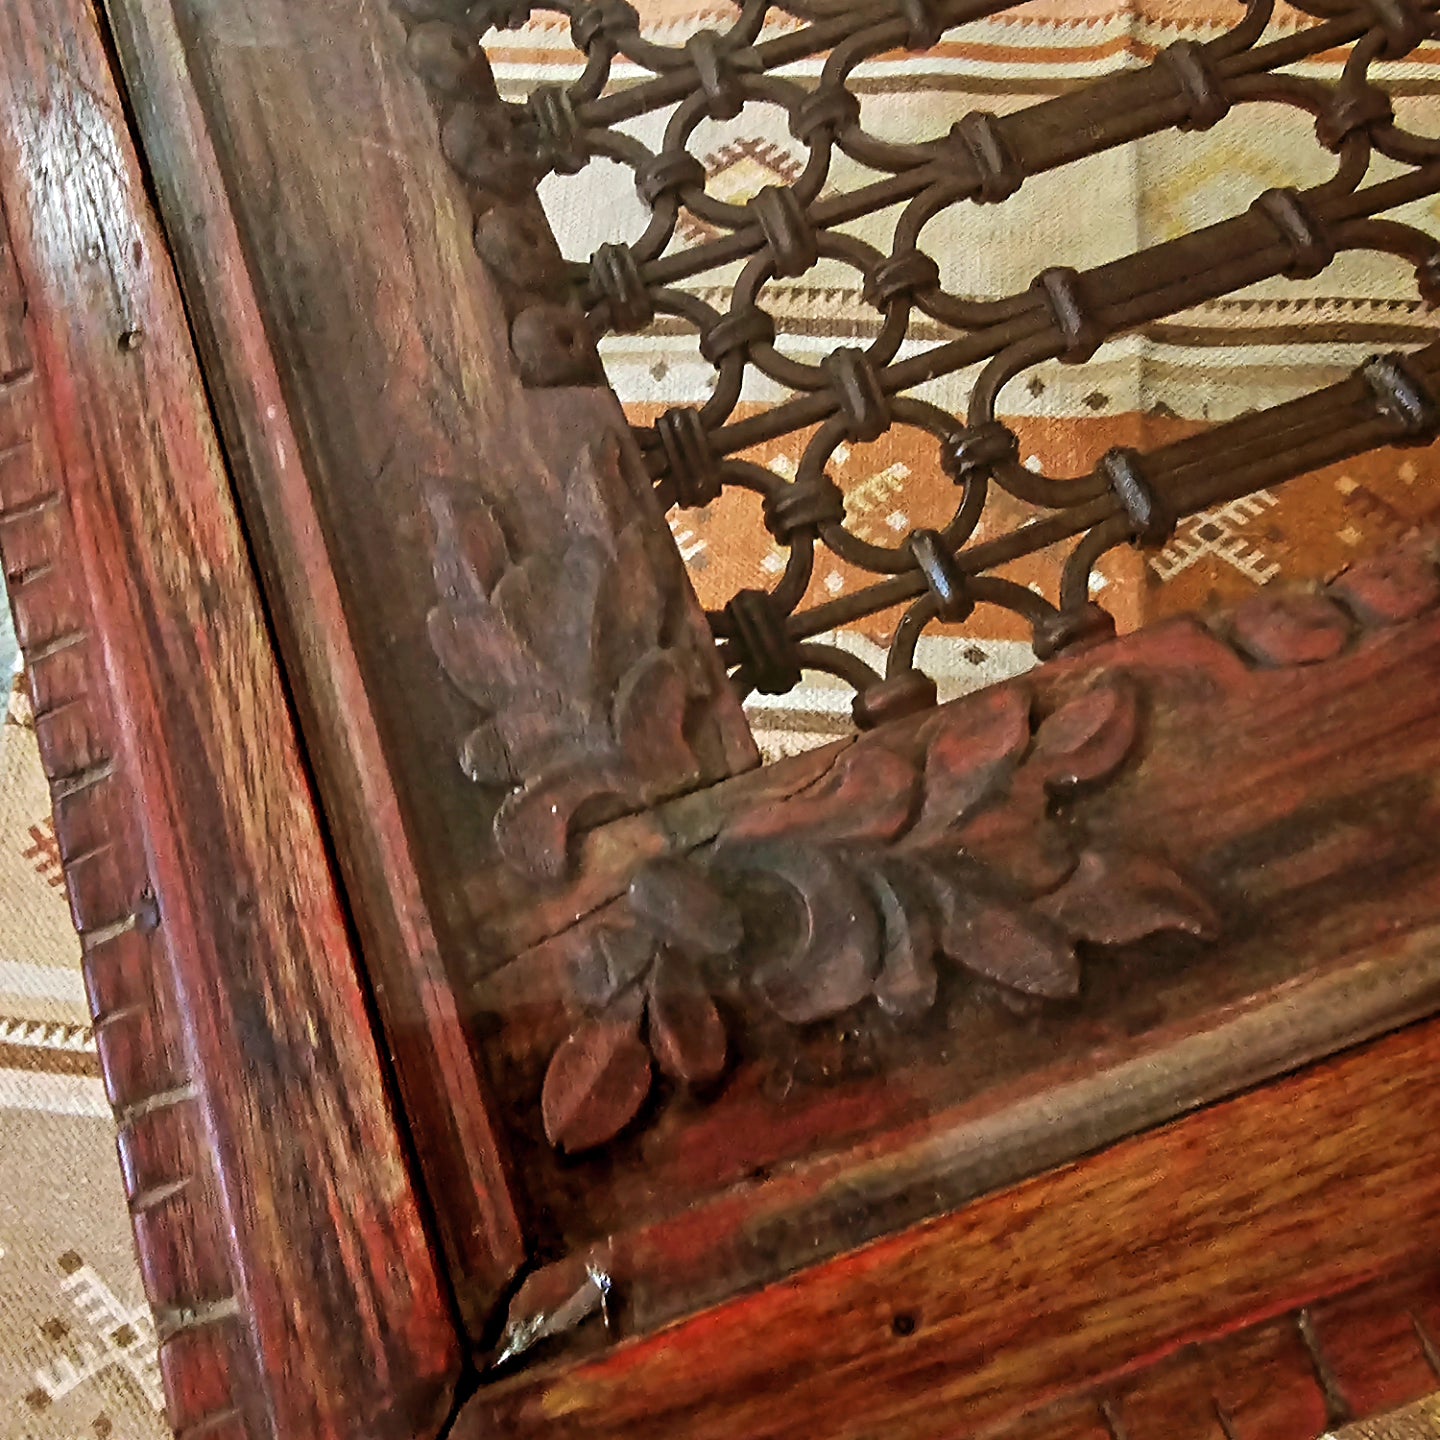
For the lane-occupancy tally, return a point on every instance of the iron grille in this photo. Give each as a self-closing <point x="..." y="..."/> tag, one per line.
<point x="695" y="452"/>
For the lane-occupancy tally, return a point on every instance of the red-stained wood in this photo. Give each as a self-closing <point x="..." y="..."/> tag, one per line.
<point x="965" y="949"/>
<point x="277" y="1225"/>
<point x="1359" y="1354"/>
<point x="1024" y="1314"/>
<point x="1233" y="863"/>
<point x="381" y="436"/>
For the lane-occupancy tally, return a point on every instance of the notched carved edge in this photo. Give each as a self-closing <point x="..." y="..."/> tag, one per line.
<point x="497" y="151"/>
<point x="958" y="845"/>
<point x="177" y="1213"/>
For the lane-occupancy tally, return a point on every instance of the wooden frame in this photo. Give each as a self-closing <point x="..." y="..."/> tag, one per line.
<point x="325" y="980"/>
<point x="196" y="868"/>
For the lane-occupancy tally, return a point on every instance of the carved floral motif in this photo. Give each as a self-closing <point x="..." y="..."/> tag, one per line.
<point x="891" y="868"/>
<point x="562" y="639"/>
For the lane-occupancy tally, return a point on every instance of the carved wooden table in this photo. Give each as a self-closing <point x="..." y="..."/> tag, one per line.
<point x="495" y="1045"/>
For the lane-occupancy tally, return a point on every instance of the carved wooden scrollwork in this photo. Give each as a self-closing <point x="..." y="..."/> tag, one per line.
<point x="563" y="638"/>
<point x="960" y="852"/>
<point x="950" y="851"/>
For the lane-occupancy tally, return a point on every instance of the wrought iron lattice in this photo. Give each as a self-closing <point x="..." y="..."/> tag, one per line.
<point x="858" y="393"/>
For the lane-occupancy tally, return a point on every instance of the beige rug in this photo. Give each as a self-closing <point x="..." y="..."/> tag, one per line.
<point x="77" y="1344"/>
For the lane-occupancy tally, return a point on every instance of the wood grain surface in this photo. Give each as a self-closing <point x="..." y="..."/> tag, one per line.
<point x="278" y="1228"/>
<point x="1300" y="813"/>
<point x="1256" y="1208"/>
<point x="362" y="373"/>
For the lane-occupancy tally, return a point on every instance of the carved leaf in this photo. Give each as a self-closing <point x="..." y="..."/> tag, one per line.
<point x="687" y="1035"/>
<point x="631" y="611"/>
<point x="907" y="982"/>
<point x="550" y="600"/>
<point x="613" y="958"/>
<point x="1089" y="737"/>
<point x="1392" y="587"/>
<point x="595" y="1084"/>
<point x="470" y="549"/>
<point x="868" y="795"/>
<point x="1018" y="840"/>
<point x="532" y="825"/>
<point x="685" y="908"/>
<point x="1290" y="629"/>
<point x="596" y="502"/>
<point x="1001" y="940"/>
<point x="484" y="659"/>
<point x="829" y="963"/>
<point x="971" y="748"/>
<point x="484" y="757"/>
<point x="1115" y="898"/>
<point x="650" y="708"/>
<point x="478" y="650"/>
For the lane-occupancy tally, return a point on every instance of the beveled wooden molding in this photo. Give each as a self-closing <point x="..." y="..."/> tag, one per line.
<point x="713" y="1024"/>
<point x="278" y="1230"/>
<point x="366" y="391"/>
<point x="171" y="1183"/>
<point x="1069" y="1307"/>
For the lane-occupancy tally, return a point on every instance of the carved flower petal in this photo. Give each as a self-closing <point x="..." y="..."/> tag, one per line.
<point x="687" y="1035"/>
<point x="972" y="746"/>
<point x="829" y="963"/>
<point x="677" y="900"/>
<point x="1088" y="737"/>
<point x="650" y="708"/>
<point x="867" y="795"/>
<point x="610" y="959"/>
<point x="907" y="983"/>
<point x="470" y="549"/>
<point x="1290" y="629"/>
<point x="532" y="826"/>
<point x="1115" y="898"/>
<point x="1003" y="941"/>
<point x="1019" y="841"/>
<point x="595" y="1084"/>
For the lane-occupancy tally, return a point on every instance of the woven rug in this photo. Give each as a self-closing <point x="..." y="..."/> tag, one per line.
<point x="1266" y="344"/>
<point x="77" y="1346"/>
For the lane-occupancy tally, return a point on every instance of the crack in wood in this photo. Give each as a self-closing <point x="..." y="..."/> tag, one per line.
<point x="1427" y="1345"/>
<point x="1113" y="1423"/>
<point x="1224" y="1421"/>
<point x="158" y="1195"/>
<point x="183" y="1319"/>
<point x="1337" y="1408"/>
<point x="94" y="938"/>
<point x="30" y="508"/>
<point x="161" y="1100"/>
<point x="64" y="787"/>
